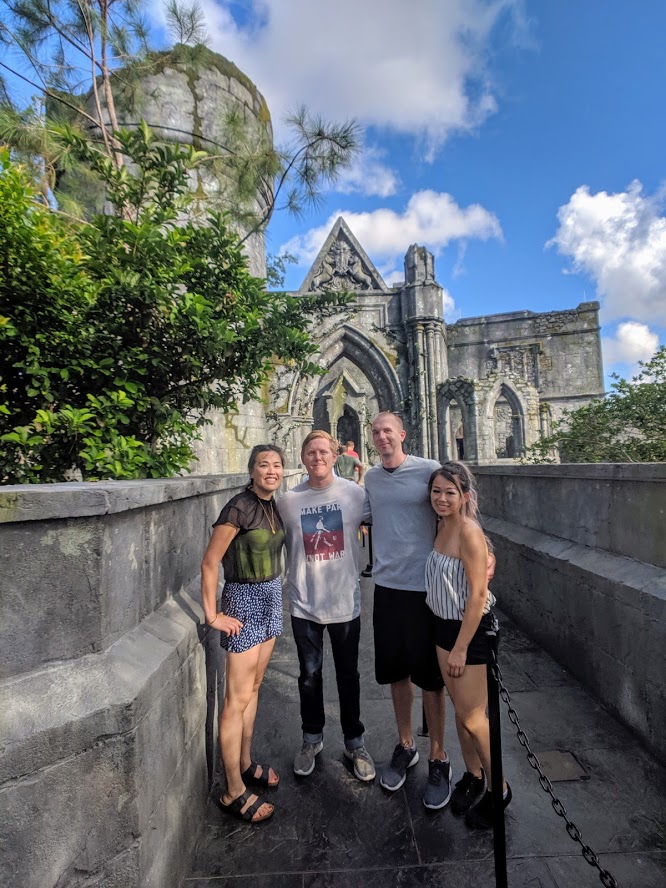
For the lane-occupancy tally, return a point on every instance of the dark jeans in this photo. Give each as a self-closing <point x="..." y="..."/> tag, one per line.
<point x="309" y="637"/>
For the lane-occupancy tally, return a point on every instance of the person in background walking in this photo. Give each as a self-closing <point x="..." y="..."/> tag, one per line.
<point x="349" y="448"/>
<point x="348" y="466"/>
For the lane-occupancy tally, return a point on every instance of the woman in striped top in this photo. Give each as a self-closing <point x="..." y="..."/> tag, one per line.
<point x="456" y="582"/>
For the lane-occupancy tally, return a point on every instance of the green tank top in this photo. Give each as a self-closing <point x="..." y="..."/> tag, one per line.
<point x="255" y="553"/>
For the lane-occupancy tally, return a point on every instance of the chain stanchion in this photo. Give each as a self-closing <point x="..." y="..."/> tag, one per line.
<point x="605" y="877"/>
<point x="496" y="770"/>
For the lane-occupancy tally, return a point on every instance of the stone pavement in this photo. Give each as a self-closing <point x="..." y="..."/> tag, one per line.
<point x="331" y="831"/>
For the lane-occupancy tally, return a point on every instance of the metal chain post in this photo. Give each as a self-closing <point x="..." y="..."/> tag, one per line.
<point x="496" y="769"/>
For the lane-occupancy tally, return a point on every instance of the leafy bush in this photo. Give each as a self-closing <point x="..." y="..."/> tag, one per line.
<point x="119" y="334"/>
<point x="628" y="425"/>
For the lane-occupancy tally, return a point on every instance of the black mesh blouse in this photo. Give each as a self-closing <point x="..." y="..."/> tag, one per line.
<point x="254" y="555"/>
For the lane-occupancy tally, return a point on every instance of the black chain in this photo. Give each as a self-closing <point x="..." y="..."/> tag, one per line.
<point x="606" y="879"/>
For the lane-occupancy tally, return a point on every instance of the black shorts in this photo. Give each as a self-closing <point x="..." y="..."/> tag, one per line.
<point x="405" y="639"/>
<point x="446" y="634"/>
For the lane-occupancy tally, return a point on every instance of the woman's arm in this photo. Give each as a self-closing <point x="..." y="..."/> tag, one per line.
<point x="474" y="556"/>
<point x="220" y="541"/>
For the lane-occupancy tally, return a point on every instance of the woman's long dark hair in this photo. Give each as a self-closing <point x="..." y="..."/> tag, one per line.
<point x="460" y="476"/>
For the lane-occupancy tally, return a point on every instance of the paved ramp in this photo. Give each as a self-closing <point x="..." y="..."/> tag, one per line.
<point x="330" y="831"/>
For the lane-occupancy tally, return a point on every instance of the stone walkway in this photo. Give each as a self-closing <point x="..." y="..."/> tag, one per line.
<point x="330" y="831"/>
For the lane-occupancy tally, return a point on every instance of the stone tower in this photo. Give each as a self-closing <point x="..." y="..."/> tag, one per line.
<point x="190" y="95"/>
<point x="195" y="96"/>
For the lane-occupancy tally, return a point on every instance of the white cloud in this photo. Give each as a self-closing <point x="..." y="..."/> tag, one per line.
<point x="451" y="311"/>
<point x="620" y="241"/>
<point x="430" y="218"/>
<point x="369" y="175"/>
<point x="633" y="342"/>
<point x="415" y="68"/>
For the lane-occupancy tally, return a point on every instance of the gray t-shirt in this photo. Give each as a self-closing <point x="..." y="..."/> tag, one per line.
<point x="403" y="522"/>
<point x="322" y="550"/>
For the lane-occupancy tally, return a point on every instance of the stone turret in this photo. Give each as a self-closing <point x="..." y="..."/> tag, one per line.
<point x="187" y="95"/>
<point x="422" y="315"/>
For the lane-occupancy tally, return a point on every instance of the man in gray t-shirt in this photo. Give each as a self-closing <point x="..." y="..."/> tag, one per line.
<point x="321" y="517"/>
<point x="403" y="529"/>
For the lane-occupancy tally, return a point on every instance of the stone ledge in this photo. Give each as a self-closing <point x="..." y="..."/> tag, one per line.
<point x="63" y="710"/>
<point x="602" y="616"/>
<point x="79" y="499"/>
<point x="595" y="471"/>
<point x="628" y="575"/>
<point x="100" y="755"/>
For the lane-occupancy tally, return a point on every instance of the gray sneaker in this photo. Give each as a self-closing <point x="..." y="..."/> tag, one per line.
<point x="395" y="774"/>
<point x="305" y="759"/>
<point x="438" y="787"/>
<point x="364" y="767"/>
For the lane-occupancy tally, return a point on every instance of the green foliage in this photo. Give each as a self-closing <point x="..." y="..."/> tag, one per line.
<point x="276" y="269"/>
<point x="628" y="425"/>
<point x="118" y="335"/>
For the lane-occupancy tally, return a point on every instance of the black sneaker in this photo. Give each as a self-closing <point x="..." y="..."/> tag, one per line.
<point x="480" y="816"/>
<point x="469" y="790"/>
<point x="438" y="788"/>
<point x="394" y="775"/>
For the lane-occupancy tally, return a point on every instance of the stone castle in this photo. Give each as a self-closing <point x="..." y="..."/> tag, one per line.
<point x="483" y="388"/>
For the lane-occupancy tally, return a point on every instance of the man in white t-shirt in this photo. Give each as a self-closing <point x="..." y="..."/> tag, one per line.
<point x="403" y="533"/>
<point x="321" y="517"/>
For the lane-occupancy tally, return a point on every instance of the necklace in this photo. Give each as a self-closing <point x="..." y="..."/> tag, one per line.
<point x="272" y="523"/>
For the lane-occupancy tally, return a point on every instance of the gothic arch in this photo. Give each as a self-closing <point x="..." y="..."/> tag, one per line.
<point x="462" y="392"/>
<point x="350" y="342"/>
<point x="503" y="388"/>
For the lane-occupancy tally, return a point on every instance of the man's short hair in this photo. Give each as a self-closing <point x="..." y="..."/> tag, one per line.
<point x="385" y="413"/>
<point x="350" y="444"/>
<point x="320" y="433"/>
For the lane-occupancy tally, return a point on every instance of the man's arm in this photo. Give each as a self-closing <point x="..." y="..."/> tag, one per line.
<point x="360" y="468"/>
<point x="367" y="511"/>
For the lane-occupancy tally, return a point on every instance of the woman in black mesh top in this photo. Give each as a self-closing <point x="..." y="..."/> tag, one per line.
<point x="248" y="538"/>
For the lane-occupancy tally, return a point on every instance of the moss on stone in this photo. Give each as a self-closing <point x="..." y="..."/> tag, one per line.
<point x="194" y="59"/>
<point x="9" y="502"/>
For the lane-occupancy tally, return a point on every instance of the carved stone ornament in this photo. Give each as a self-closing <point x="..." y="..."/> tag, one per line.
<point x="521" y="362"/>
<point x="341" y="269"/>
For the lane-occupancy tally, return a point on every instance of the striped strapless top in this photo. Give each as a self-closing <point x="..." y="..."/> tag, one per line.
<point x="447" y="591"/>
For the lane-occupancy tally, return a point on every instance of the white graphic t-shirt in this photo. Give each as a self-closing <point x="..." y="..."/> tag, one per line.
<point x="322" y="550"/>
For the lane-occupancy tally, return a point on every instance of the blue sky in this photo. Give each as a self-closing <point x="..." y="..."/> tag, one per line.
<point x="522" y="142"/>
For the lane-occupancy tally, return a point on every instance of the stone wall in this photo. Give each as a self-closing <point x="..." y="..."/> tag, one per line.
<point x="226" y="443"/>
<point x="557" y="352"/>
<point x="581" y="567"/>
<point x="106" y="690"/>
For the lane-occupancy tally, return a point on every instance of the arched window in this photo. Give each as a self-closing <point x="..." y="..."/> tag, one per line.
<point x="508" y="424"/>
